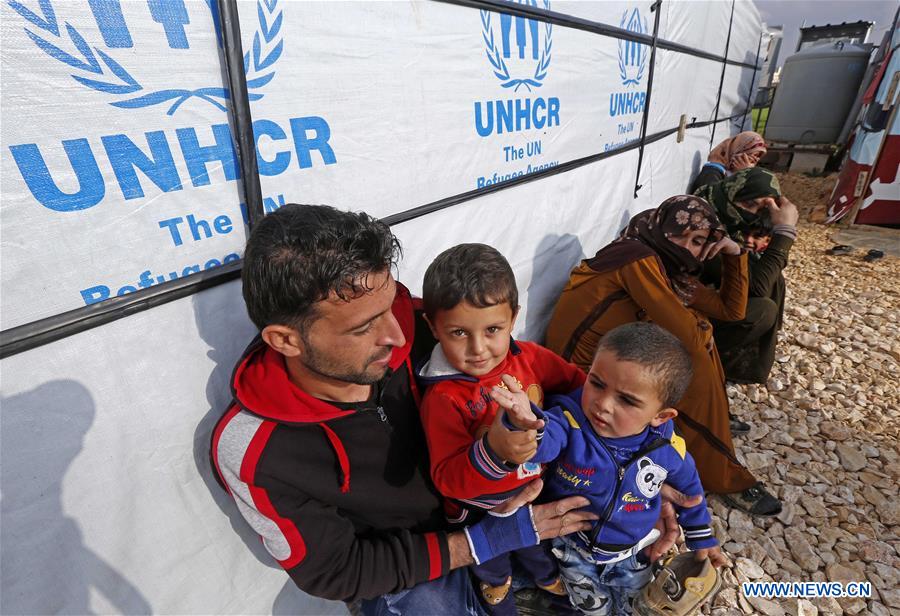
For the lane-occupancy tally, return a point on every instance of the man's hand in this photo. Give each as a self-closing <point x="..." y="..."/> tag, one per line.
<point x="513" y="446"/>
<point x="667" y="525"/>
<point x="716" y="556"/>
<point x="726" y="246"/>
<point x="784" y="214"/>
<point x="516" y="404"/>
<point x="554" y="519"/>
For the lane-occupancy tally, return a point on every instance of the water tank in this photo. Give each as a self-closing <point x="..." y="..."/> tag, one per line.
<point x="817" y="89"/>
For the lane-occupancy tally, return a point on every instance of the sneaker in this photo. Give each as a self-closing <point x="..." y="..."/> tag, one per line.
<point x="556" y="588"/>
<point x="679" y="587"/>
<point x="738" y="427"/>
<point x="755" y="500"/>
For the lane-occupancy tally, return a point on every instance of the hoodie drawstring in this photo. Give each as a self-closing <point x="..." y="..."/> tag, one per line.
<point x="341" y="453"/>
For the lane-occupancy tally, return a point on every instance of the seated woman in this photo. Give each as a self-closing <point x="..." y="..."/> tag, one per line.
<point x="747" y="346"/>
<point x="650" y="274"/>
<point x="742" y="151"/>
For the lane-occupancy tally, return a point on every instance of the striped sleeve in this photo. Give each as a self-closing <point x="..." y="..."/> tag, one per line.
<point x="310" y="539"/>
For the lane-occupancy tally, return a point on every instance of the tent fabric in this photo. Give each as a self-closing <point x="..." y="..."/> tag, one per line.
<point x="119" y="171"/>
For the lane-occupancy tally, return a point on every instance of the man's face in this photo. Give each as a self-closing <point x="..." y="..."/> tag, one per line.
<point x="351" y="341"/>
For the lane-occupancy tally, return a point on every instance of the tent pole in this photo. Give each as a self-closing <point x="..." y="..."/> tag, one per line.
<point x="240" y="108"/>
<point x="637" y="178"/>
<point x="712" y="138"/>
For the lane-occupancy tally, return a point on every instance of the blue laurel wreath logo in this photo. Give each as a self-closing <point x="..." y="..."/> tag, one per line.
<point x="497" y="54"/>
<point x="100" y="72"/>
<point x="632" y="55"/>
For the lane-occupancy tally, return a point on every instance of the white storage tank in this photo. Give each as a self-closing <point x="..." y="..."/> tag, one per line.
<point x="817" y="89"/>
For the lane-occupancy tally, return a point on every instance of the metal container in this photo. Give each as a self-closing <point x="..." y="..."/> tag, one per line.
<point x="817" y="89"/>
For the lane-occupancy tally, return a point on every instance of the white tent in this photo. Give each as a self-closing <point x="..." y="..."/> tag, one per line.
<point x="123" y="224"/>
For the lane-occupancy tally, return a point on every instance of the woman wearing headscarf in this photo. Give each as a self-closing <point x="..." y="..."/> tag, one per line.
<point x="747" y="346"/>
<point x="650" y="274"/>
<point x="742" y="151"/>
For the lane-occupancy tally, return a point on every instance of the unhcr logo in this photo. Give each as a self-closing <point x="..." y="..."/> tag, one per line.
<point x="518" y="49"/>
<point x="519" y="52"/>
<point x="632" y="55"/>
<point x="632" y="63"/>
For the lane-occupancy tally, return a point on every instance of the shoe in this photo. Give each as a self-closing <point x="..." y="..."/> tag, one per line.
<point x="738" y="427"/>
<point x="839" y="249"/>
<point x="556" y="588"/>
<point x="873" y="255"/>
<point x="680" y="586"/>
<point x="755" y="500"/>
<point x="493" y="595"/>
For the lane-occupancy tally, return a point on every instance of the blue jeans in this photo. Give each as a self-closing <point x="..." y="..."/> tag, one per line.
<point x="451" y="594"/>
<point x="600" y="589"/>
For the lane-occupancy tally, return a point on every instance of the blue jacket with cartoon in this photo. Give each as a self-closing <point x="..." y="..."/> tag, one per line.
<point x="624" y="492"/>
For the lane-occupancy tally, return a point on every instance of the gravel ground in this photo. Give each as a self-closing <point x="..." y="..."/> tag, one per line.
<point x="825" y="434"/>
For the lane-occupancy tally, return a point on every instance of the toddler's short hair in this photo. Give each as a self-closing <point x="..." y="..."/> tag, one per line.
<point x="761" y="227"/>
<point x="657" y="351"/>
<point x="476" y="273"/>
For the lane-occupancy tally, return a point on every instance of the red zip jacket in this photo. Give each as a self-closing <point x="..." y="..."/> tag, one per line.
<point x="341" y="497"/>
<point x="457" y="406"/>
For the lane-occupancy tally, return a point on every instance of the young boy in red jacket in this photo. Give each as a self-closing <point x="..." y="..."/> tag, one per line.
<point x="471" y="303"/>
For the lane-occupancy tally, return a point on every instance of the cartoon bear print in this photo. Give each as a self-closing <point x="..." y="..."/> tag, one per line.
<point x="650" y="477"/>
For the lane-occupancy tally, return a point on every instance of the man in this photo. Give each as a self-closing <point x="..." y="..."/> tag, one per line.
<point x="322" y="448"/>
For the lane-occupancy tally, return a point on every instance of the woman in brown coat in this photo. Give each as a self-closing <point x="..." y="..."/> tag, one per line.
<point x="650" y="274"/>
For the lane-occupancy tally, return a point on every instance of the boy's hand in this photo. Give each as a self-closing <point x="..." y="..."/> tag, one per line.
<point x="514" y="446"/>
<point x="516" y="404"/>
<point x="716" y="556"/>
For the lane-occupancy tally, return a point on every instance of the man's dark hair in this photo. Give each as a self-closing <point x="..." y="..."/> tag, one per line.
<point x="656" y="350"/>
<point x="299" y="254"/>
<point x="475" y="273"/>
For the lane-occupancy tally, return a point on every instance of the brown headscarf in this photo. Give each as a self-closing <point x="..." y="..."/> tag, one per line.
<point x="648" y="234"/>
<point x="742" y="143"/>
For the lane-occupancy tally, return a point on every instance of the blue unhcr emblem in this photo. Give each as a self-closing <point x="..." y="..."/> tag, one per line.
<point x="520" y="58"/>
<point x="632" y="55"/>
<point x="100" y="72"/>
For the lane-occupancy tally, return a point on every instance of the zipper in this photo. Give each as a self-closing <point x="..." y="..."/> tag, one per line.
<point x="620" y="477"/>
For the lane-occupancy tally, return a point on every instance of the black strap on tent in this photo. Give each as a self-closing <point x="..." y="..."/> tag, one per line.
<point x="656" y="7"/>
<point x="44" y="331"/>
<point x="240" y="107"/>
<point x="752" y="84"/>
<point x="576" y="23"/>
<point x="712" y="137"/>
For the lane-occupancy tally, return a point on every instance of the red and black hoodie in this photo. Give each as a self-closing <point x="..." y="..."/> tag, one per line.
<point x="339" y="493"/>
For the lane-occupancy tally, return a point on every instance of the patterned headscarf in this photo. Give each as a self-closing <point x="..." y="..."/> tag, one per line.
<point x="745" y="185"/>
<point x="648" y="233"/>
<point x="747" y="142"/>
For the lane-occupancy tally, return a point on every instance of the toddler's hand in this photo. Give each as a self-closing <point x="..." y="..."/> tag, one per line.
<point x="516" y="404"/>
<point x="716" y="556"/>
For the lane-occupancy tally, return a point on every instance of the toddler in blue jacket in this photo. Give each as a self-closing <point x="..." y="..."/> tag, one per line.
<point x="613" y="442"/>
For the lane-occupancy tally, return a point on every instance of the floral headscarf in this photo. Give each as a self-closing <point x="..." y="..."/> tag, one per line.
<point x="747" y="142"/>
<point x="648" y="233"/>
<point x="744" y="185"/>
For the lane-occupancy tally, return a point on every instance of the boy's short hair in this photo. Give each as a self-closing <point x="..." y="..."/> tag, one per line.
<point x="656" y="350"/>
<point x="476" y="273"/>
<point x="761" y="227"/>
<point x="299" y="254"/>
